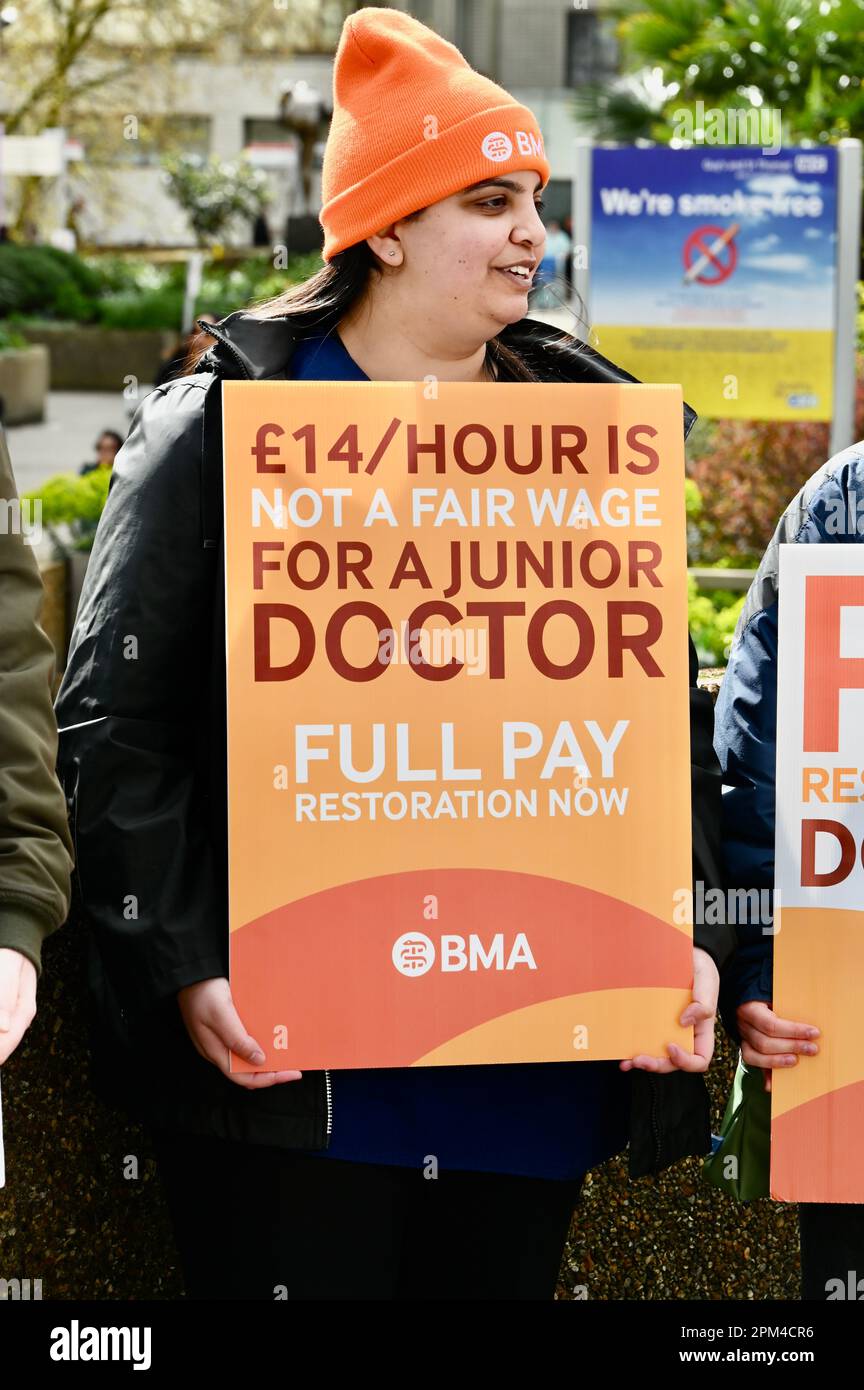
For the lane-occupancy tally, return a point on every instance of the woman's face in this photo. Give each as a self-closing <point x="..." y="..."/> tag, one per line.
<point x="106" y="448"/>
<point x="451" y="258"/>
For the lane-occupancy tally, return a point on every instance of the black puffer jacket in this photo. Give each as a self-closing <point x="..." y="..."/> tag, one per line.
<point x="141" y="712"/>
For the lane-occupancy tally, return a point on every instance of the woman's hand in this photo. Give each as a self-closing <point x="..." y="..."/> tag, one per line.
<point x="214" y="1026"/>
<point x="768" y="1041"/>
<point x="701" y="1011"/>
<point x="17" y="999"/>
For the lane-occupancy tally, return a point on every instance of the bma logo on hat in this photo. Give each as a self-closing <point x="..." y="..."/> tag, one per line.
<point x="413" y="954"/>
<point x="496" y="145"/>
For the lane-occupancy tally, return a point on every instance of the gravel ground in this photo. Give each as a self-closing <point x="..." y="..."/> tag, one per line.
<point x="676" y="1236"/>
<point x="69" y="1217"/>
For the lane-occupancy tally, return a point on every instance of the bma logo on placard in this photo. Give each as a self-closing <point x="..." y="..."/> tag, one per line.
<point x="414" y="953"/>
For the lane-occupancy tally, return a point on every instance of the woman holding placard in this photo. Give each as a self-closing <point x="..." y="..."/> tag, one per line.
<point x="431" y="213"/>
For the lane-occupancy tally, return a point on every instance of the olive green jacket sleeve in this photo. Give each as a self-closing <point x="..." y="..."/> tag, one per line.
<point x="36" y="855"/>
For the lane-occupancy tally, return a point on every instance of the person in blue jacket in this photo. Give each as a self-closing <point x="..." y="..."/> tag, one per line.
<point x="828" y="509"/>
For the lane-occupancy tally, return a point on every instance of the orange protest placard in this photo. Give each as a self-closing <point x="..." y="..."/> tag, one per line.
<point x="458" y="729"/>
<point x="817" y="1106"/>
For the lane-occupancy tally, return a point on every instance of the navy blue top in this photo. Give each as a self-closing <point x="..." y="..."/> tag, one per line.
<point x="538" y="1119"/>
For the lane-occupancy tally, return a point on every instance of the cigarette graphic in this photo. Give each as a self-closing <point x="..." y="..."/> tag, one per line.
<point x="713" y="250"/>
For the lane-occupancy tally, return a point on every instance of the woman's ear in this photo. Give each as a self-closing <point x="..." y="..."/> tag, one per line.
<point x="386" y="246"/>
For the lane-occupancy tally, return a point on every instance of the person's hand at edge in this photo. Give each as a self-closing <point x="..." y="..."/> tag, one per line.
<point x="699" y="1014"/>
<point x="17" y="999"/>
<point x="216" y="1030"/>
<point x="768" y="1041"/>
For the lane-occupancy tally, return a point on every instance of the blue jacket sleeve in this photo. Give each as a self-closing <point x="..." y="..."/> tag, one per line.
<point x="825" y="511"/>
<point x="745" y="741"/>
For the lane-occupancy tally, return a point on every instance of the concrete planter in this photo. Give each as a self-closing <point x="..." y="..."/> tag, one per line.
<point x="85" y="358"/>
<point x="62" y="581"/>
<point x="53" y="617"/>
<point x="76" y="568"/>
<point x="24" y="378"/>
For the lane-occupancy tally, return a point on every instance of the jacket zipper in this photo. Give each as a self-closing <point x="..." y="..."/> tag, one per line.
<point x="654" y="1125"/>
<point x="329" y="1102"/>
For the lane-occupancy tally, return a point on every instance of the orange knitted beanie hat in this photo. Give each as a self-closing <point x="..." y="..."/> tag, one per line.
<point x="412" y="123"/>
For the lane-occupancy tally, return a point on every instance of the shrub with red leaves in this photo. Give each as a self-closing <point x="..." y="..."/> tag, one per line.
<point x="748" y="473"/>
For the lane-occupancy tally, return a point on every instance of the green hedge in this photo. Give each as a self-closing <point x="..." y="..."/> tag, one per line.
<point x="42" y="279"/>
<point x="71" y="506"/>
<point x="712" y="615"/>
<point x="130" y="292"/>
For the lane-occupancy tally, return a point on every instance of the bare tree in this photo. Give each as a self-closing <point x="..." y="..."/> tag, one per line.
<point x="69" y="62"/>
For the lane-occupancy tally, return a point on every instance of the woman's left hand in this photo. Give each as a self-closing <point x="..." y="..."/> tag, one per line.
<point x="701" y="1012"/>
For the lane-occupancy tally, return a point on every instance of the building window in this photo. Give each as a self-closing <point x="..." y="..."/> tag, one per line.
<point x="592" y="50"/>
<point x="105" y="139"/>
<point x="259" y="130"/>
<point x="296" y="29"/>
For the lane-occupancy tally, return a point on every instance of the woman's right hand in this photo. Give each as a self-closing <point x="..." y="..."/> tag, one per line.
<point x="215" y="1028"/>
<point x="768" y="1041"/>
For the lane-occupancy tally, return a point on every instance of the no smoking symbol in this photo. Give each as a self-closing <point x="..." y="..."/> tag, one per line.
<point x="710" y="246"/>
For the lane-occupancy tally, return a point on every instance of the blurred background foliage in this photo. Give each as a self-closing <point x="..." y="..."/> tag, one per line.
<point x="801" y="57"/>
<point x="44" y="284"/>
<point x="742" y="474"/>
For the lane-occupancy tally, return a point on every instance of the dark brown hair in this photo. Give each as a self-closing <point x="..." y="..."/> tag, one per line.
<point x="321" y="302"/>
